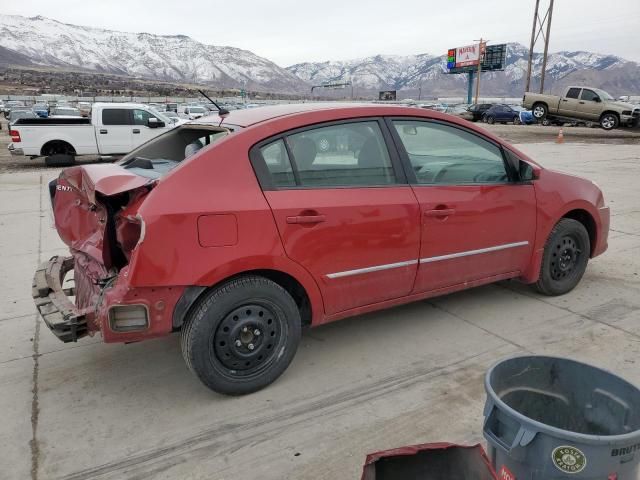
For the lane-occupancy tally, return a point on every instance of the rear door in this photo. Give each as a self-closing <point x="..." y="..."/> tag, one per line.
<point x="588" y="107"/>
<point x="478" y="222"/>
<point x="569" y="103"/>
<point x="115" y="131"/>
<point x="344" y="210"/>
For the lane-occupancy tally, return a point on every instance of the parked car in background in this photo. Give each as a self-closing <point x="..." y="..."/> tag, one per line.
<point x="174" y="117"/>
<point x="114" y="129"/>
<point x="501" y="114"/>
<point x="583" y="103"/>
<point x="65" y="112"/>
<point x="195" y="112"/>
<point x="41" y="109"/>
<point x="237" y="247"/>
<point x="85" y="108"/>
<point x="476" y="112"/>
<point x="17" y="113"/>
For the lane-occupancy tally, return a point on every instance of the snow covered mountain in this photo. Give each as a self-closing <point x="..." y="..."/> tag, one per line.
<point x="429" y="72"/>
<point x="43" y="42"/>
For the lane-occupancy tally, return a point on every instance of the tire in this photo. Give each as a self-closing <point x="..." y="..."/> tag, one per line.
<point x="609" y="121"/>
<point x="517" y="121"/>
<point x="540" y="111"/>
<point x="565" y="258"/>
<point x="242" y="335"/>
<point x="490" y="120"/>
<point x="546" y="122"/>
<point x="60" y="160"/>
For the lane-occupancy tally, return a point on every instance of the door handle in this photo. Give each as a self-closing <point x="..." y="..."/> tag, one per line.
<point x="564" y="100"/>
<point x="581" y="103"/>
<point x="103" y="131"/>
<point x="136" y="130"/>
<point x="306" y="219"/>
<point x="440" y="212"/>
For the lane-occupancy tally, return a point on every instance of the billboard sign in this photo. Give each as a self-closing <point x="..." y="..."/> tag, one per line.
<point x="467" y="56"/>
<point x="493" y="57"/>
<point x="387" y="95"/>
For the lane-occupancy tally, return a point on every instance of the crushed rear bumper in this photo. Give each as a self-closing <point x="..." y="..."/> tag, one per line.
<point x="59" y="313"/>
<point x="13" y="150"/>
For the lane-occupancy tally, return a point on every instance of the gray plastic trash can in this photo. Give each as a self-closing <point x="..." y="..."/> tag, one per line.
<point x="555" y="418"/>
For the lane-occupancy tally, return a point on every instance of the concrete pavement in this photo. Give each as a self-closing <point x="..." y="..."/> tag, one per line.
<point x="407" y="375"/>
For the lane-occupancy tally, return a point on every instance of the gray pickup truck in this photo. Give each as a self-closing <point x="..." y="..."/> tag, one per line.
<point x="583" y="103"/>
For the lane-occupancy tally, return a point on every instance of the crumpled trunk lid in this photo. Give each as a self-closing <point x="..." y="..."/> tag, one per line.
<point x="86" y="201"/>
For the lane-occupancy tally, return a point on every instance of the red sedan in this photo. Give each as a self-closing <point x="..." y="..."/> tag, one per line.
<point x="240" y="232"/>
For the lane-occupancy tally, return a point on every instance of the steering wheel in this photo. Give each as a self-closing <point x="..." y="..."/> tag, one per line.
<point x="441" y="173"/>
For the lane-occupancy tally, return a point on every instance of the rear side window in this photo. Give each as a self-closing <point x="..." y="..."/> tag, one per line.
<point x="347" y="154"/>
<point x="115" y="116"/>
<point x="573" y="93"/>
<point x="277" y="160"/>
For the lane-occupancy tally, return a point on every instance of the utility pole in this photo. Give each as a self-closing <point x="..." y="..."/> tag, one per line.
<point x="537" y="30"/>
<point x="481" y="45"/>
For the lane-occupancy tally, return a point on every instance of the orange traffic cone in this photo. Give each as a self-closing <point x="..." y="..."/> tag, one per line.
<point x="560" y="138"/>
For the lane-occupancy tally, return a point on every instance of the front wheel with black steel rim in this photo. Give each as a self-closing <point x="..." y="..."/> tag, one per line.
<point x="242" y="335"/>
<point x="565" y="258"/>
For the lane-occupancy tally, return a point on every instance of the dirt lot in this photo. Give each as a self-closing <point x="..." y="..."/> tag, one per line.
<point x="407" y="375"/>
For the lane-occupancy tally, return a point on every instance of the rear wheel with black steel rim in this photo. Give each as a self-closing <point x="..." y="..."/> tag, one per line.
<point x="242" y="335"/>
<point x="565" y="258"/>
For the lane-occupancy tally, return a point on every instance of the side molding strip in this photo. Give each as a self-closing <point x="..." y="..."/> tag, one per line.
<point x="376" y="268"/>
<point x="473" y="252"/>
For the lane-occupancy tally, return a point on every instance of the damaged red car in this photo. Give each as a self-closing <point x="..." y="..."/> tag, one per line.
<point x="239" y="232"/>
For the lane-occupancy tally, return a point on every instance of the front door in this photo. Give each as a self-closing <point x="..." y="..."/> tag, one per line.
<point x="141" y="132"/>
<point x="588" y="107"/>
<point x="115" y="134"/>
<point x="344" y="211"/>
<point x="477" y="222"/>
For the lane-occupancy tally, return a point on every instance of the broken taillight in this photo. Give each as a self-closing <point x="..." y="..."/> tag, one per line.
<point x="15" y="136"/>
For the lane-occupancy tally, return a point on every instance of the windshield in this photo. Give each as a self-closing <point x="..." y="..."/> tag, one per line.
<point x="603" y="95"/>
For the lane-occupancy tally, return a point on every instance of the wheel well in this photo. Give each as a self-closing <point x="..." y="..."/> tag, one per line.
<point x="587" y="221"/>
<point x="612" y="112"/>
<point x="68" y="148"/>
<point x="291" y="285"/>
<point x="540" y="103"/>
<point x="191" y="295"/>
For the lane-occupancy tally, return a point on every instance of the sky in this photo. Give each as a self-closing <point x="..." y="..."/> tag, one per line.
<point x="290" y="31"/>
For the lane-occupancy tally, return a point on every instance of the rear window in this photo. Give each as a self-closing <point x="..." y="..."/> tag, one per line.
<point x="115" y="116"/>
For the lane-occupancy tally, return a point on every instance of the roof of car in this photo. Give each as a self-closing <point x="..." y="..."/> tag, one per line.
<point x="251" y="116"/>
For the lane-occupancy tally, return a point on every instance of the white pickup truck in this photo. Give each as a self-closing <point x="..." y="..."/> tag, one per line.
<point x="113" y="129"/>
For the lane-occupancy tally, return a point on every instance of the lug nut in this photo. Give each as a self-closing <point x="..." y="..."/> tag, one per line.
<point x="256" y="332"/>
<point x="245" y="329"/>
<point x="238" y="343"/>
<point x="250" y="346"/>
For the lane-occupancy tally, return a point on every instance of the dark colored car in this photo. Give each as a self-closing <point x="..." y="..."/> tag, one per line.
<point x="478" y="111"/>
<point x="264" y="231"/>
<point x="501" y="114"/>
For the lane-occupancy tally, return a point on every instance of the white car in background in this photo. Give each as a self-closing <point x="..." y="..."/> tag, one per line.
<point x="195" y="112"/>
<point x="65" y="112"/>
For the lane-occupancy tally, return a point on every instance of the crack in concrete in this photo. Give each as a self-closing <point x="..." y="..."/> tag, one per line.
<point x="35" y="405"/>
<point x="468" y="322"/>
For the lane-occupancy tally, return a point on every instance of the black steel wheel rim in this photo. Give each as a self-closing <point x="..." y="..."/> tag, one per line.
<point x="248" y="339"/>
<point x="565" y="256"/>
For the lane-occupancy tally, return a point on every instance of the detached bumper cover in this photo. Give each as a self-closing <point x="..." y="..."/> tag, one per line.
<point x="62" y="317"/>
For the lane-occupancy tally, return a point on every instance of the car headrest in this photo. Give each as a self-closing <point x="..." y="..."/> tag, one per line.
<point x="304" y="152"/>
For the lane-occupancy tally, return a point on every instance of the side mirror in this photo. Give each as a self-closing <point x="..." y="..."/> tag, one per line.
<point x="597" y="99"/>
<point x="154" y="123"/>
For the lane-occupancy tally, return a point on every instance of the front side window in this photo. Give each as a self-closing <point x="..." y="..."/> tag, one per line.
<point x="441" y="154"/>
<point x="589" y="95"/>
<point x="573" y="93"/>
<point x="115" y="116"/>
<point x="348" y="154"/>
<point x="141" y="117"/>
